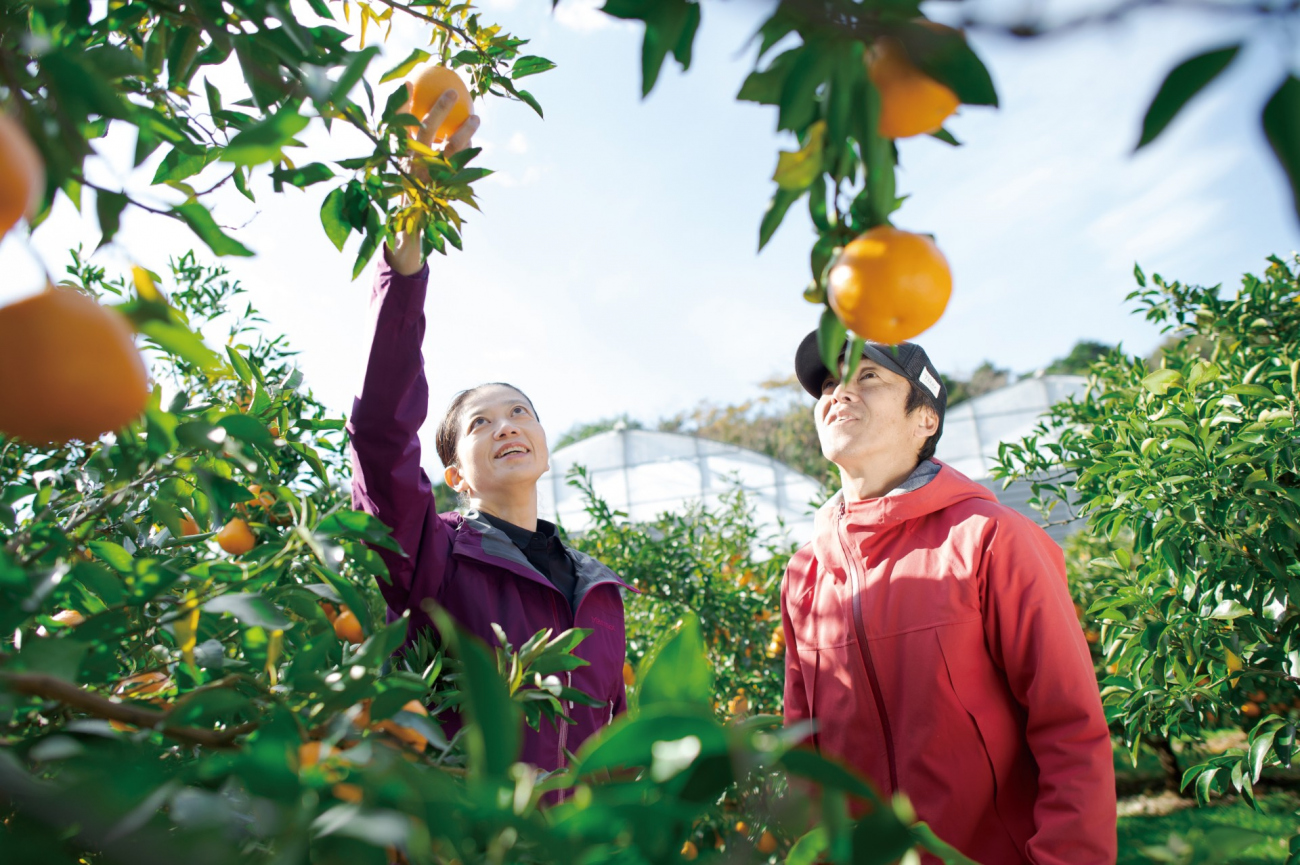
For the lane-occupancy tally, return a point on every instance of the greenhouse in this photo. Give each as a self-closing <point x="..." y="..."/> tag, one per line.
<point x="645" y="473"/>
<point x="973" y="430"/>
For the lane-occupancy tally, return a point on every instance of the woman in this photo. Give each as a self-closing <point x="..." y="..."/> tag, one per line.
<point x="498" y="563"/>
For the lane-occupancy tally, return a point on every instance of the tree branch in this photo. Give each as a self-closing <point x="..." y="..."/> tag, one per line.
<point x="51" y="688"/>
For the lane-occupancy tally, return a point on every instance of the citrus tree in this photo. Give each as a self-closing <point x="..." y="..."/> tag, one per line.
<point x="1189" y="470"/>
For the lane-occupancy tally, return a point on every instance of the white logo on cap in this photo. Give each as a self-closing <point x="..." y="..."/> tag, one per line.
<point x="928" y="380"/>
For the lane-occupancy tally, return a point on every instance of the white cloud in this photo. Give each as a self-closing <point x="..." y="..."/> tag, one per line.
<point x="518" y="143"/>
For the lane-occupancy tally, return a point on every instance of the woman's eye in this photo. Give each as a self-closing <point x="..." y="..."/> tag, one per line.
<point x="520" y="410"/>
<point x="476" y="421"/>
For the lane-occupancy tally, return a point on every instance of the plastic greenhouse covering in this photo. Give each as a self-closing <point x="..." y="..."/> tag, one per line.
<point x="645" y="473"/>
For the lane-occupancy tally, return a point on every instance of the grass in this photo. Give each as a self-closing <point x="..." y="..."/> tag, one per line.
<point x="1278" y="823"/>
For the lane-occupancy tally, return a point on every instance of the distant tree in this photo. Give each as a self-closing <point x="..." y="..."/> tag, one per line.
<point x="985" y="378"/>
<point x="1082" y="356"/>
<point x="779" y="423"/>
<point x="578" y="432"/>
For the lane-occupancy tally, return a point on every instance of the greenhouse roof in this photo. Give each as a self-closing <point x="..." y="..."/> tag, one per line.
<point x="644" y="474"/>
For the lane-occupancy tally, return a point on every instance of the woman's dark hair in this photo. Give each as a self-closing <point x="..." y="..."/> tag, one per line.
<point x="449" y="427"/>
<point x="916" y="398"/>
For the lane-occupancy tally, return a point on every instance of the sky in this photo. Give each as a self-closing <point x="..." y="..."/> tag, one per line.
<point x="614" y="267"/>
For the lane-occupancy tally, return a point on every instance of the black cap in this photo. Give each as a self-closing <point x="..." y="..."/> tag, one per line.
<point x="906" y="359"/>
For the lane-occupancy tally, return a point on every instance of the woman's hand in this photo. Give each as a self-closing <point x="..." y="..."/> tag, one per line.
<point x="406" y="256"/>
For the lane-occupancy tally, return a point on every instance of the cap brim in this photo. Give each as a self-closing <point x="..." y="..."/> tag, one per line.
<point x="812" y="373"/>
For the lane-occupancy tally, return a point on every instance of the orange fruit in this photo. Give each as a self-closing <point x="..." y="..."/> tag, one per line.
<point x="331" y="611"/>
<point x="311" y="753"/>
<point x="346" y="627"/>
<point x="766" y="843"/>
<point x="911" y="102"/>
<point x="262" y="498"/>
<point x="739" y="705"/>
<point x="406" y="734"/>
<point x="629" y="675"/>
<point x="347" y="792"/>
<point x="69" y="369"/>
<point x="236" y="537"/>
<point x="71" y="618"/>
<point x="22" y="174"/>
<point x="428" y="85"/>
<point x="742" y="827"/>
<point x="690" y="851"/>
<point x="189" y="527"/>
<point x="362" y="719"/>
<point x="1092" y="636"/>
<point x="889" y="285"/>
<point x="1250" y="710"/>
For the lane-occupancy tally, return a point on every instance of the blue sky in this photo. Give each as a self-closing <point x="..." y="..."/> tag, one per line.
<point x="614" y="267"/>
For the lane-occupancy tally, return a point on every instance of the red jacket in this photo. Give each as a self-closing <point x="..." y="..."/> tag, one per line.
<point x="932" y="637"/>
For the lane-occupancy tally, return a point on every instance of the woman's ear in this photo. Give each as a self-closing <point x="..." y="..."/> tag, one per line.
<point x="454" y="479"/>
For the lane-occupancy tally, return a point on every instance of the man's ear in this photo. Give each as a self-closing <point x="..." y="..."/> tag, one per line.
<point x="454" y="479"/>
<point x="927" y="422"/>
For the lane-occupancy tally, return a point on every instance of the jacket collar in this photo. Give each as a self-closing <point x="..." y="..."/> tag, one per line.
<point x="481" y="541"/>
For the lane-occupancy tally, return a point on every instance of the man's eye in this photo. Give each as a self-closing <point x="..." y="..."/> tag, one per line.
<point x="828" y="386"/>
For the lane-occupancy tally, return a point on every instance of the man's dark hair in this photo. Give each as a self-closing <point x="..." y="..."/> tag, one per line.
<point x="916" y="398"/>
<point x="448" y="435"/>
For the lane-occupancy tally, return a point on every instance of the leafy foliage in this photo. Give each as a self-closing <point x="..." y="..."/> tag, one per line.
<point x="1197" y="461"/>
<point x="71" y="70"/>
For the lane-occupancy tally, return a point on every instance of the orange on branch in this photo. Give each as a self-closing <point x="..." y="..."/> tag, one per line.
<point x="889" y="285"/>
<point x="911" y="102"/>
<point x="690" y="851"/>
<point x="427" y="85"/>
<point x="22" y="174"/>
<point x="766" y="843"/>
<point x="69" y="369"/>
<point x="406" y="734"/>
<point x="143" y="685"/>
<point x="347" y="627"/>
<point x="629" y="675"/>
<point x="189" y="527"/>
<point x="236" y="537"/>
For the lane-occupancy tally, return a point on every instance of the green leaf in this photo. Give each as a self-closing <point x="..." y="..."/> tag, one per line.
<point x="179" y="164"/>
<point x="1161" y="380"/>
<point x="252" y="610"/>
<point x="1282" y="126"/>
<point x="1182" y="83"/>
<point x="676" y="670"/>
<point x="670" y="25"/>
<point x="530" y="101"/>
<point x="248" y="429"/>
<point x="60" y="657"/>
<point x="797" y="170"/>
<point x="880" y="838"/>
<point x="109" y="207"/>
<point x="200" y="221"/>
<point x="775" y="213"/>
<point x="808" y="849"/>
<point x="333" y="218"/>
<point x="302" y="176"/>
<point x="831" y="335"/>
<point x="180" y="341"/>
<point x="1229" y="609"/>
<point x="265" y="141"/>
<point x="640" y="743"/>
<point x="829" y="774"/>
<point x="764" y="87"/>
<point x="113" y="555"/>
<point x="352" y="72"/>
<point x="414" y="59"/>
<point x="493" y="736"/>
<point x="530" y="65"/>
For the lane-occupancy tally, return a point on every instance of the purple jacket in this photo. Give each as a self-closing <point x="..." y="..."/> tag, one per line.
<point x="462" y="562"/>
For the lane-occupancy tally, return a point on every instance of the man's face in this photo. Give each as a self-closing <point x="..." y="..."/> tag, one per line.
<point x="501" y="444"/>
<point x="866" y="419"/>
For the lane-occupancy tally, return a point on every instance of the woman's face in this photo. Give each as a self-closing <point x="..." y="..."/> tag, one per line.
<point x="501" y="445"/>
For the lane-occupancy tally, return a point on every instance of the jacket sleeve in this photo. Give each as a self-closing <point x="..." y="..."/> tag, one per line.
<point x="1034" y="635"/>
<point x="387" y="481"/>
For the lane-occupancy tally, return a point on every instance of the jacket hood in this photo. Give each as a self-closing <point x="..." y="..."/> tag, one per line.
<point x="874" y="516"/>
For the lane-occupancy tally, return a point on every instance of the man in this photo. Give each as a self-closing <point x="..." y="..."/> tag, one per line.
<point x="930" y="633"/>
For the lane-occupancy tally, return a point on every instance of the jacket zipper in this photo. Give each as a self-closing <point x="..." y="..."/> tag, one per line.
<point x="864" y="648"/>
